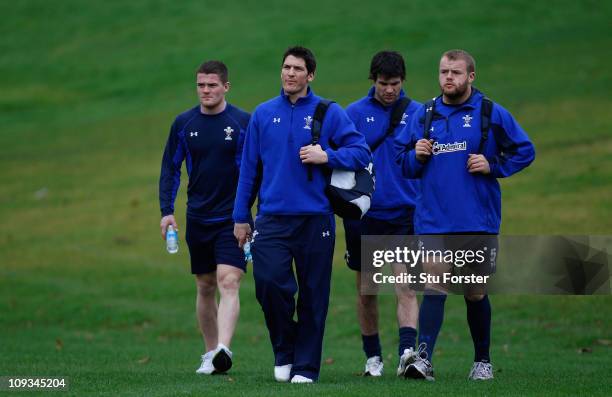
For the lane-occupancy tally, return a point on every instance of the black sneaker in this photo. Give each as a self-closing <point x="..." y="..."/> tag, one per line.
<point x="222" y="359"/>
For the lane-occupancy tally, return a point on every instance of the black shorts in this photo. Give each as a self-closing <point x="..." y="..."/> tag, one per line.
<point x="212" y="244"/>
<point x="353" y="230"/>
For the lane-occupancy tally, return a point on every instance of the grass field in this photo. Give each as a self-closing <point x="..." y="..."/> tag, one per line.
<point x="89" y="90"/>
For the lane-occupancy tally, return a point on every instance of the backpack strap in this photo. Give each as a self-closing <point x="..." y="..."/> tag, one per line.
<point x="430" y="109"/>
<point x="486" y="108"/>
<point x="396" y="117"/>
<point x="317" y="124"/>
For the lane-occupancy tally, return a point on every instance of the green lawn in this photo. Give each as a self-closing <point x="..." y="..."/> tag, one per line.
<point x="89" y="90"/>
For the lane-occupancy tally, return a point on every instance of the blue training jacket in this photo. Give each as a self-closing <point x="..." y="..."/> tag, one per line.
<point x="276" y="132"/>
<point x="211" y="146"/>
<point x="393" y="193"/>
<point x="453" y="200"/>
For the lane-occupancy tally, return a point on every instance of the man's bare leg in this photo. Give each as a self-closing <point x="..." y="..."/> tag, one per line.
<point x="228" y="281"/>
<point x="206" y="309"/>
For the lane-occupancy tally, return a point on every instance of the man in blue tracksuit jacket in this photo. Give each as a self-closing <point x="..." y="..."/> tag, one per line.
<point x="460" y="193"/>
<point x="393" y="202"/>
<point x="209" y="139"/>
<point x="295" y="221"/>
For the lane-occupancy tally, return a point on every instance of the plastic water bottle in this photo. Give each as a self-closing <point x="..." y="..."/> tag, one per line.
<point x="171" y="240"/>
<point x="247" y="251"/>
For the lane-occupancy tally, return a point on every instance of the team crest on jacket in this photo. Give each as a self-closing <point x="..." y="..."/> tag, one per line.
<point x="404" y="116"/>
<point x="228" y="133"/>
<point x="308" y="121"/>
<point x="466" y="120"/>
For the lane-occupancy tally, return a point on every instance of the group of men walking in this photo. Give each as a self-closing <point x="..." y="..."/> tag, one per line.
<point x="233" y="158"/>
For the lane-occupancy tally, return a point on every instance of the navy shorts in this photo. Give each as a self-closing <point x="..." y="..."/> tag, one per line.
<point x="211" y="244"/>
<point x="354" y="229"/>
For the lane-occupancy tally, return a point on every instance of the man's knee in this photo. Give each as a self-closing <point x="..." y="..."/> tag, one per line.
<point x="206" y="284"/>
<point x="229" y="281"/>
<point x="474" y="297"/>
<point x="367" y="301"/>
<point x="405" y="294"/>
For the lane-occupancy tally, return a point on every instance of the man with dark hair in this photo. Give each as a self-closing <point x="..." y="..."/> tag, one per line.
<point x="209" y="137"/>
<point x="458" y="145"/>
<point x="214" y="67"/>
<point x="295" y="220"/>
<point x="392" y="204"/>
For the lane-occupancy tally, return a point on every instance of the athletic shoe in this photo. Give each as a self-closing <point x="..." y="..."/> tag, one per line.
<point x="373" y="367"/>
<point x="300" y="379"/>
<point x="206" y="368"/>
<point x="282" y="373"/>
<point x="481" y="371"/>
<point x="405" y="360"/>
<point x="222" y="358"/>
<point x="421" y="367"/>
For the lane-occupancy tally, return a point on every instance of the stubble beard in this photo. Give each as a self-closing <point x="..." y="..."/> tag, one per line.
<point x="456" y="92"/>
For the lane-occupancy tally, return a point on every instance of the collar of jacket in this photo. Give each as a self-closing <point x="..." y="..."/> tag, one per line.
<point x="309" y="98"/>
<point x="377" y="102"/>
<point x="472" y="102"/>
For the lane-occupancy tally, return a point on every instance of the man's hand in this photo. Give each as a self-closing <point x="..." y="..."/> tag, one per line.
<point x="477" y="163"/>
<point x="313" y="154"/>
<point x="242" y="232"/>
<point x="423" y="149"/>
<point x="165" y="222"/>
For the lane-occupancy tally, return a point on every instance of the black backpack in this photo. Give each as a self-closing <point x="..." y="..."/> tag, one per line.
<point x="486" y="108"/>
<point x="396" y="118"/>
<point x="349" y="192"/>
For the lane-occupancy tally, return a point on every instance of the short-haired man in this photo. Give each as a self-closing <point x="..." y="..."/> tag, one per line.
<point x="458" y="166"/>
<point x="392" y="205"/>
<point x="209" y="137"/>
<point x="295" y="220"/>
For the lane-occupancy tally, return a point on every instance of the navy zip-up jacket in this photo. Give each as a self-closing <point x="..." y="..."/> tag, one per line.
<point x="452" y="199"/>
<point x="211" y="146"/>
<point x="393" y="193"/>
<point x="276" y="132"/>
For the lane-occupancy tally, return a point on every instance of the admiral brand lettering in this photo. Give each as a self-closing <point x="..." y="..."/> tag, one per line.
<point x="439" y="148"/>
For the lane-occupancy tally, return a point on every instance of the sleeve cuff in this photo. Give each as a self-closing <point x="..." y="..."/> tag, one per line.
<point x="332" y="162"/>
<point x="241" y="218"/>
<point x="495" y="171"/>
<point x="415" y="165"/>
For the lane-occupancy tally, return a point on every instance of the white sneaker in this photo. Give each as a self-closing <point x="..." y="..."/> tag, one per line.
<point x="419" y="366"/>
<point x="222" y="358"/>
<point x="373" y="367"/>
<point x="282" y="373"/>
<point x="206" y="368"/>
<point x="300" y="379"/>
<point x="481" y="371"/>
<point x="405" y="360"/>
